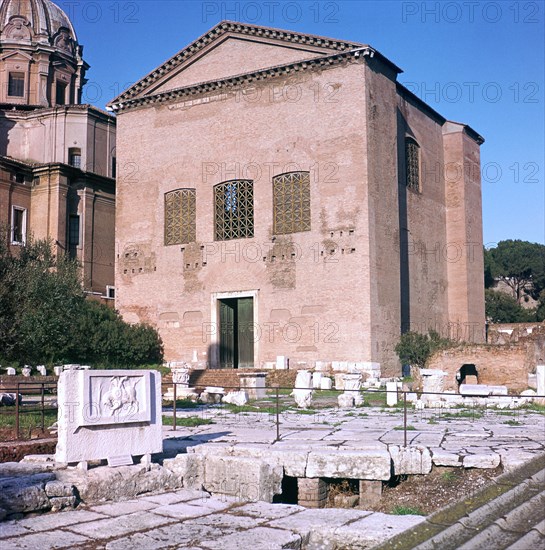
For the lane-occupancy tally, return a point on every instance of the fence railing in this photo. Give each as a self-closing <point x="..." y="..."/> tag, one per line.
<point x="33" y="411"/>
<point x="471" y="409"/>
<point x="35" y="407"/>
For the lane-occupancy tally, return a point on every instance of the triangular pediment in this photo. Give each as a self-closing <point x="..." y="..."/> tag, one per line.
<point x="16" y="56"/>
<point x="231" y="49"/>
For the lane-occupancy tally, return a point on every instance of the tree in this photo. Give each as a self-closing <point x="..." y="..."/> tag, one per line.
<point x="415" y="349"/>
<point x="45" y="317"/>
<point x="520" y="265"/>
<point x="502" y="308"/>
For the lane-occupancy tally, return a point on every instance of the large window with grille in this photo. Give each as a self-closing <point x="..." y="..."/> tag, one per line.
<point x="180" y="216"/>
<point x="291" y="202"/>
<point x="234" y="210"/>
<point x="412" y="163"/>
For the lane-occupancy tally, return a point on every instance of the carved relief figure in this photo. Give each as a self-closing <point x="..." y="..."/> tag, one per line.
<point x="122" y="394"/>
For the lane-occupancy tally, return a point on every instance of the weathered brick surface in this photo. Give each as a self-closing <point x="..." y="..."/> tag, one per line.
<point x="312" y="492"/>
<point x="329" y="294"/>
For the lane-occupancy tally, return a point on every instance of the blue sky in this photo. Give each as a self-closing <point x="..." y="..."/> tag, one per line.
<point x="477" y="62"/>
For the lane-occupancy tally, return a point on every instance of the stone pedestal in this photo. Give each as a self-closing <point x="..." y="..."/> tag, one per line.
<point x="391" y="394"/>
<point x="303" y="389"/>
<point x="108" y="414"/>
<point x="312" y="492"/>
<point x="352" y="387"/>
<point x="433" y="382"/>
<point x="281" y="362"/>
<point x="11" y="371"/>
<point x="325" y="383"/>
<point x="254" y="384"/>
<point x="316" y="380"/>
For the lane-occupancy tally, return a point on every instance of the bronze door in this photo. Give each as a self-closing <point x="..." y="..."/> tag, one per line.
<point x="236" y="333"/>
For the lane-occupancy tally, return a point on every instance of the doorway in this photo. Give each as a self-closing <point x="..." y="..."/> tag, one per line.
<point x="236" y="333"/>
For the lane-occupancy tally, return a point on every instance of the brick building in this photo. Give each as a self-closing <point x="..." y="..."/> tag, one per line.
<point x="57" y="156"/>
<point x="282" y="194"/>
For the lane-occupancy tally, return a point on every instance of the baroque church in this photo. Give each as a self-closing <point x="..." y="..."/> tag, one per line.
<point x="282" y="194"/>
<point x="57" y="155"/>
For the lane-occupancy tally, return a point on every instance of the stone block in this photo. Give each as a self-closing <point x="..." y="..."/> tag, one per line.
<point x="339" y="381"/>
<point x="107" y="414"/>
<point x="474" y="389"/>
<point x="187" y="468"/>
<point x="326" y="383"/>
<point x="59" y="489"/>
<point x="254" y="384"/>
<point x="346" y="400"/>
<point x="483" y="460"/>
<point x="236" y="398"/>
<point x="281" y="362"/>
<point x="410" y="460"/>
<point x="370" y="493"/>
<point x="444" y="458"/>
<point x="471" y="379"/>
<point x="316" y="380"/>
<point x="363" y="464"/>
<point x="246" y="479"/>
<point x="60" y="503"/>
<point x="498" y="390"/>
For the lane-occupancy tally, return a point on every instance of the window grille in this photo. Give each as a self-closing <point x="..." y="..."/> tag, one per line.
<point x="180" y="216"/>
<point x="412" y="160"/>
<point x="291" y="202"/>
<point x="234" y="210"/>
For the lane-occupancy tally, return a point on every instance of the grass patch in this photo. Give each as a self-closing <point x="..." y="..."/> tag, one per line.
<point x="449" y="476"/>
<point x="463" y="414"/>
<point x="432" y="421"/>
<point x="410" y="428"/>
<point x="406" y="511"/>
<point x="534" y="407"/>
<point x="27" y="420"/>
<point x="513" y="423"/>
<point x="187" y="422"/>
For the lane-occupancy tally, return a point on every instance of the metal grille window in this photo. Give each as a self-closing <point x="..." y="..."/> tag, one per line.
<point x="180" y="216"/>
<point x="73" y="236"/>
<point x="412" y="160"/>
<point x="16" y="85"/>
<point x="234" y="210"/>
<point x="291" y="210"/>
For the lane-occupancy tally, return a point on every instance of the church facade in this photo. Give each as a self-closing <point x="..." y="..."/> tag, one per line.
<point x="57" y="156"/>
<point x="281" y="194"/>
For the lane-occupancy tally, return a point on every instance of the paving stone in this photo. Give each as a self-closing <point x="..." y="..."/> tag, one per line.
<point x="259" y="538"/>
<point x="373" y="529"/>
<point x="12" y="529"/>
<point x="177" y="535"/>
<point x="123" y="508"/>
<point x="169" y="498"/>
<point x="267" y="511"/>
<point x="57" y="521"/>
<point x="46" y="541"/>
<point x="118" y="526"/>
<point x="410" y="460"/>
<point x="229" y="521"/>
<point x="308" y="520"/>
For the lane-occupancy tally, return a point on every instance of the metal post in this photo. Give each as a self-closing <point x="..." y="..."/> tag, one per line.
<point x="404" y="418"/>
<point x="43" y="405"/>
<point x="17" y="411"/>
<point x="277" y="416"/>
<point x="174" y="409"/>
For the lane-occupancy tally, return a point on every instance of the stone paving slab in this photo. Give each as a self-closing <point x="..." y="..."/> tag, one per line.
<point x="129" y="506"/>
<point x="119" y="525"/>
<point x="259" y="538"/>
<point x="47" y="540"/>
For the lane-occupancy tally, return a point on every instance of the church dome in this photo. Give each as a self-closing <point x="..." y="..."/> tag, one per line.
<point x="37" y="22"/>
